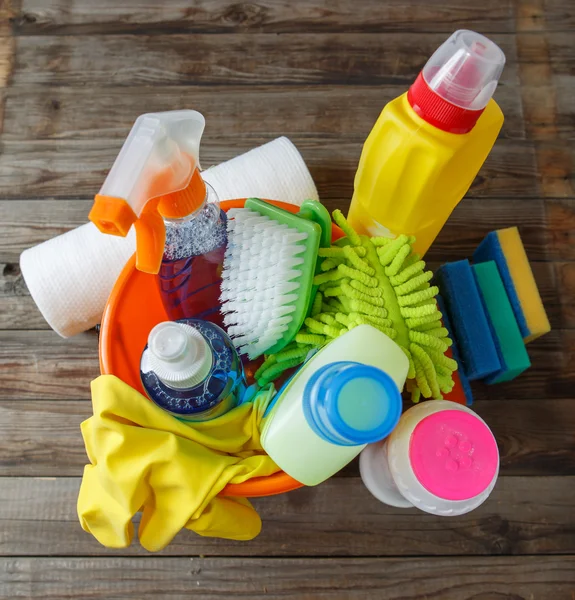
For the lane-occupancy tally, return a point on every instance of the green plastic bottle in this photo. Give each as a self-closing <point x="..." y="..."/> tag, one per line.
<point x="346" y="396"/>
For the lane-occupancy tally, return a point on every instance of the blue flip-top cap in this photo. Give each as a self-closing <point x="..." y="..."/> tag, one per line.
<point x="349" y="404"/>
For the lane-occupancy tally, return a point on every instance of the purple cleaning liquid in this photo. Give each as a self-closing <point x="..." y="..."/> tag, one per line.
<point x="190" y="274"/>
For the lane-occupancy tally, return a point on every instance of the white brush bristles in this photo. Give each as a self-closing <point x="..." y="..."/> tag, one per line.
<point x="260" y="279"/>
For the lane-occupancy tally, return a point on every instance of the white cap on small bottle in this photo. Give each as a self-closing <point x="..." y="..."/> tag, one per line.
<point x="179" y="355"/>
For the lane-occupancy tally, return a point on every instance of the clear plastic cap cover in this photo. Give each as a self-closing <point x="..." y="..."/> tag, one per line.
<point x="465" y="69"/>
<point x="158" y="157"/>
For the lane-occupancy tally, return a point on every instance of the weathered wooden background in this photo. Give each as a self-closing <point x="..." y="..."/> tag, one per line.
<point x="74" y="74"/>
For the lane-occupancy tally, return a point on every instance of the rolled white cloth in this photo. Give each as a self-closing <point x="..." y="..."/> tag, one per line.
<point x="71" y="276"/>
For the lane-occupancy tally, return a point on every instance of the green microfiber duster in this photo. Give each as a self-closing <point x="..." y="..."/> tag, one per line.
<point x="379" y="282"/>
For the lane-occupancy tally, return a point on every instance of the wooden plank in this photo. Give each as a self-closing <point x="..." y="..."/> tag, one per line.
<point x="107" y="113"/>
<point x="338" y="518"/>
<point x="532" y="436"/>
<point x="17" y="309"/>
<point x="542" y="15"/>
<point x="560" y="219"/>
<point x="552" y="359"/>
<point x="546" y="54"/>
<point x="77" y="168"/>
<point x="6" y="64"/>
<point x="241" y="59"/>
<point x="57" y="17"/>
<point x="25" y="223"/>
<point x="7" y="46"/>
<point x="556" y="168"/>
<point x="65" y="17"/>
<point x="565" y="286"/>
<point x="8" y="11"/>
<point x="42" y="438"/>
<point x="535" y="436"/>
<point x="473" y="219"/>
<point x="536" y="578"/>
<point x="40" y="364"/>
<point x="545" y="68"/>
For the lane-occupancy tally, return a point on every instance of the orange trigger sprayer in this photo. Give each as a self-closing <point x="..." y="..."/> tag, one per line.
<point x="155" y="176"/>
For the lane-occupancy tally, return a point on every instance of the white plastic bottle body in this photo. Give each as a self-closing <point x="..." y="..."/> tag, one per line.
<point x="387" y="472"/>
<point x="287" y="436"/>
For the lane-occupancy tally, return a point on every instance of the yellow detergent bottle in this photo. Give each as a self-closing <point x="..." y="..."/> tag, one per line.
<point x="428" y="145"/>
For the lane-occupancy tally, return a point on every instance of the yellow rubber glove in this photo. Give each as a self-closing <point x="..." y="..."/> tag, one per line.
<point x="144" y="459"/>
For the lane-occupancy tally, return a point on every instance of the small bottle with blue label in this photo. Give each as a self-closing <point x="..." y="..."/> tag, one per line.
<point x="191" y="369"/>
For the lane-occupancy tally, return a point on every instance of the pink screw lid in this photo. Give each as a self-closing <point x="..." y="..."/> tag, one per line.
<point x="453" y="455"/>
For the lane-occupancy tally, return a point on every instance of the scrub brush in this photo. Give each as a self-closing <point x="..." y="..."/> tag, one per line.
<point x="268" y="271"/>
<point x="379" y="282"/>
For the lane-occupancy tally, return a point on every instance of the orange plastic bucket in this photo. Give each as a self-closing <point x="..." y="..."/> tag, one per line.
<point x="133" y="309"/>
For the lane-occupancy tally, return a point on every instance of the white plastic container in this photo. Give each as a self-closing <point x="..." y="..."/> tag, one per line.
<point x="346" y="396"/>
<point x="441" y="458"/>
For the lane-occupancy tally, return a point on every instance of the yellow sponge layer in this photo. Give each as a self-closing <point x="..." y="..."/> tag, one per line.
<point x="525" y="286"/>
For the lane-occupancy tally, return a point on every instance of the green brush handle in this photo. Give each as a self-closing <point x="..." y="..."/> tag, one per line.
<point x="315" y="221"/>
<point x="315" y="211"/>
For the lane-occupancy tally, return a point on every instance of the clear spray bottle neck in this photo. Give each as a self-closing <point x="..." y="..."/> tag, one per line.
<point x="155" y="175"/>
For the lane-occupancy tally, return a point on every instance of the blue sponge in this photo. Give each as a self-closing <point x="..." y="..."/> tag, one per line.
<point x="466" y="386"/>
<point x="467" y="315"/>
<point x="510" y="347"/>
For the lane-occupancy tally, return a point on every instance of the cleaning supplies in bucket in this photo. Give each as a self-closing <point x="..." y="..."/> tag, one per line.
<point x="441" y="458"/>
<point x="191" y="369"/>
<point x="156" y="185"/>
<point x="71" y="276"/>
<point x="344" y="397"/>
<point x="428" y="145"/>
<point x="380" y="282"/>
<point x="268" y="270"/>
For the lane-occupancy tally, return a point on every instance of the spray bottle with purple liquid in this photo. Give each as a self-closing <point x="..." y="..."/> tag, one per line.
<point x="155" y="184"/>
